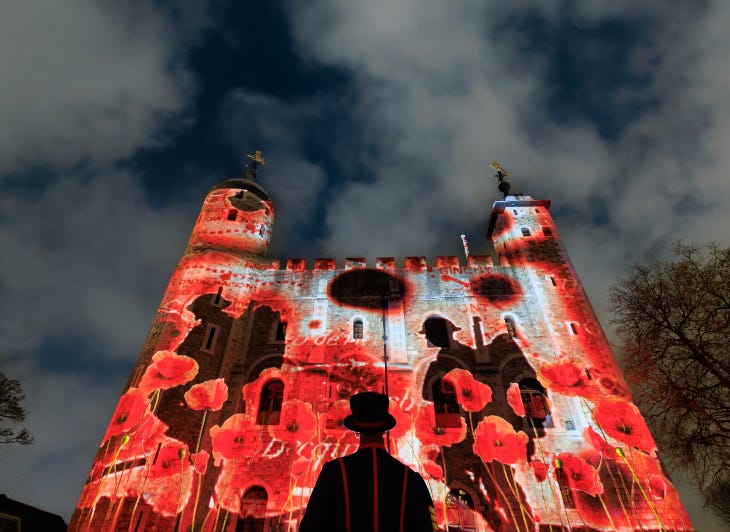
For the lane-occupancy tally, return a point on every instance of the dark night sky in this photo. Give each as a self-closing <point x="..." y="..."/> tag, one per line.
<point x="378" y="121"/>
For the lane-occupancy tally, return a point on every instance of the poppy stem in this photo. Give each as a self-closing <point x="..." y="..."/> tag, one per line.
<point x="587" y="413"/>
<point x="547" y="466"/>
<point x="200" y="432"/>
<point x="197" y="498"/>
<point x="608" y="514"/>
<point x="513" y="487"/>
<point x="490" y="470"/>
<point x="620" y="452"/>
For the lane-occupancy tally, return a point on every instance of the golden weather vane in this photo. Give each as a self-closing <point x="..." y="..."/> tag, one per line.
<point x="256" y="160"/>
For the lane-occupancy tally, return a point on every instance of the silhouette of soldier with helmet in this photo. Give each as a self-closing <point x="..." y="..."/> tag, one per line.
<point x="369" y="490"/>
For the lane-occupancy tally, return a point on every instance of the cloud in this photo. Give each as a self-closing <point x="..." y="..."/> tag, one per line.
<point x="90" y="81"/>
<point x="67" y="417"/>
<point x="443" y="88"/>
<point x="84" y="260"/>
<point x="295" y="183"/>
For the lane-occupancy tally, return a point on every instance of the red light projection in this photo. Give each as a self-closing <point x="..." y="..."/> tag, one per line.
<point x="506" y="396"/>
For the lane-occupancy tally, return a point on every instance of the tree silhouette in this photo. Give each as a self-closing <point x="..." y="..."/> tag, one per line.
<point x="673" y="321"/>
<point x="11" y="394"/>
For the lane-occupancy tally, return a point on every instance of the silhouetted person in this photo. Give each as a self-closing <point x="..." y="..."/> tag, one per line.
<point x="369" y="490"/>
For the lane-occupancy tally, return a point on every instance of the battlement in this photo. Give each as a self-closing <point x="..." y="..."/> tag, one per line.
<point x="412" y="264"/>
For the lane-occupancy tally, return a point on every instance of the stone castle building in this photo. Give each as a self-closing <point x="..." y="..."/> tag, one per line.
<point x="508" y="399"/>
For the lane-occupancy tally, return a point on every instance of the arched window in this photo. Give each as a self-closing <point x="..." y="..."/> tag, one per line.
<point x="535" y="401"/>
<point x="511" y="327"/>
<point x="253" y="510"/>
<point x="357" y="329"/>
<point x="272" y="395"/>
<point x="445" y="405"/>
<point x="437" y="333"/>
<point x="525" y="231"/>
<point x="460" y="512"/>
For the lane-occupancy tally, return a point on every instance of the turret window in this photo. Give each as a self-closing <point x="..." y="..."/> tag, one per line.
<point x="272" y="396"/>
<point x="209" y="339"/>
<point x="573" y="328"/>
<point x="547" y="231"/>
<point x="280" y="335"/>
<point x="511" y="327"/>
<point x="217" y="299"/>
<point x="357" y="329"/>
<point x="232" y="215"/>
<point x="525" y="231"/>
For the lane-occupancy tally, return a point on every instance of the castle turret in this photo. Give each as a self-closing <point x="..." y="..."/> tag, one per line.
<point x="237" y="216"/>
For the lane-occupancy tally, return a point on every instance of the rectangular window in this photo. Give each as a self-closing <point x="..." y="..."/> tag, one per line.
<point x="232" y="215"/>
<point x="573" y="329"/>
<point x="209" y="339"/>
<point x="357" y="330"/>
<point x="217" y="300"/>
<point x="525" y="231"/>
<point x="547" y="231"/>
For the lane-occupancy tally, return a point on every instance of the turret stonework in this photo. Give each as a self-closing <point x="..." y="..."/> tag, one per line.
<point x="507" y="397"/>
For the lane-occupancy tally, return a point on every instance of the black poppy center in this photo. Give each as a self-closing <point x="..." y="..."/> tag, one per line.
<point x="367" y="289"/>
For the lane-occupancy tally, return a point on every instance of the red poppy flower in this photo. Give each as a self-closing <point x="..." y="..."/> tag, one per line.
<point x="144" y="440"/>
<point x="598" y="443"/>
<point x="623" y="422"/>
<point x="403" y="421"/>
<point x="566" y="378"/>
<point x="357" y="372"/>
<point x="433" y="470"/>
<point x="238" y="436"/>
<point x="333" y="421"/>
<point x="209" y="394"/>
<point x="657" y="486"/>
<point x="167" y="371"/>
<point x="429" y="432"/>
<point x="171" y="459"/>
<point x="471" y="394"/>
<point x="540" y="470"/>
<point x="514" y="399"/>
<point x="496" y="439"/>
<point x="298" y="423"/>
<point x="331" y="424"/>
<point x="200" y="462"/>
<point x="129" y="411"/>
<point x="300" y="467"/>
<point x="579" y="474"/>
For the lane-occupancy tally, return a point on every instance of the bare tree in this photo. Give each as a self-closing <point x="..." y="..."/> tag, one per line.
<point x="11" y="411"/>
<point x="673" y="321"/>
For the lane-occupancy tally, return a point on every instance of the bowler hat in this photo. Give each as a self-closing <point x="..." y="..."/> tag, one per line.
<point x="369" y="413"/>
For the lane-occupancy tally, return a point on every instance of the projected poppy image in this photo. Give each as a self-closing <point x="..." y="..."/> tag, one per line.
<point x="506" y="397"/>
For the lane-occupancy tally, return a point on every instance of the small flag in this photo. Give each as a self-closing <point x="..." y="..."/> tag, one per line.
<point x="466" y="245"/>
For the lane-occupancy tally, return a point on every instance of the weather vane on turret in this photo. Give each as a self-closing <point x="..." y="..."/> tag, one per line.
<point x="501" y="174"/>
<point x="253" y="167"/>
